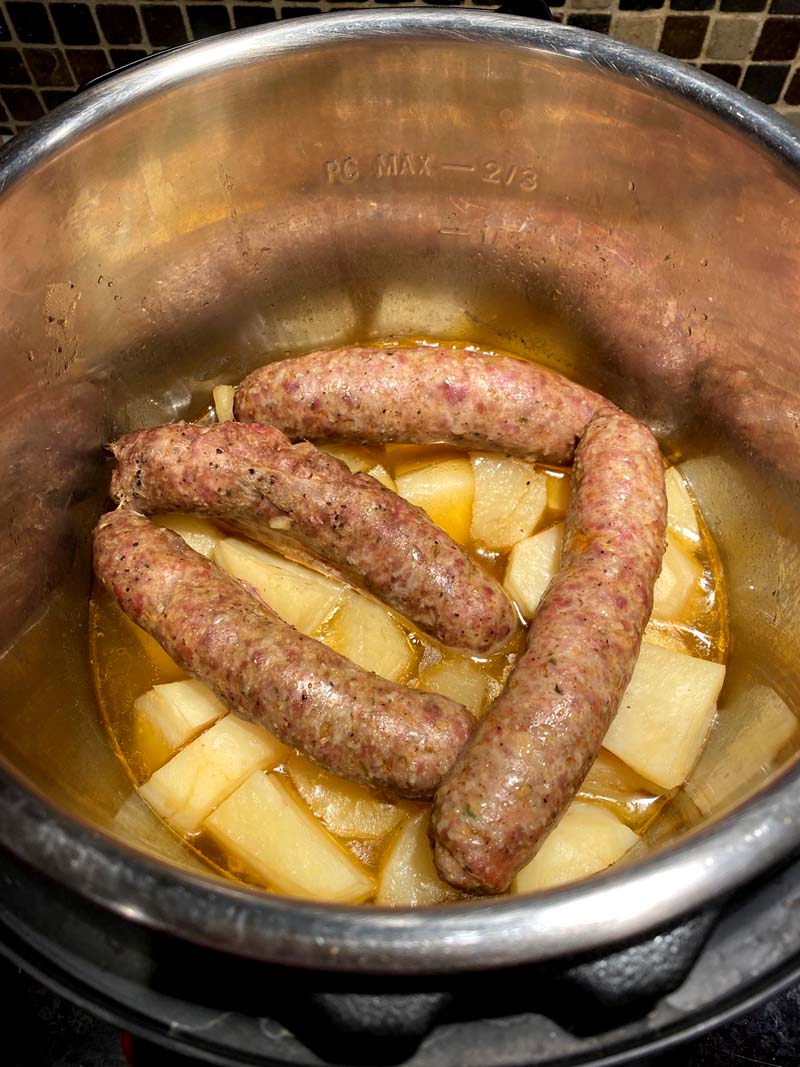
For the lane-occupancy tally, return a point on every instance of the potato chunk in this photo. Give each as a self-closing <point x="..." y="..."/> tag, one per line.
<point x="191" y="785"/>
<point x="665" y="714"/>
<point x="445" y="491"/>
<point x="162" y="663"/>
<point x="358" y="459"/>
<point x="199" y="534"/>
<point x="510" y="499"/>
<point x="752" y="737"/>
<point x="223" y="402"/>
<point x="407" y="876"/>
<point x="681" y="517"/>
<point x="559" y="488"/>
<point x="677" y="584"/>
<point x="380" y="474"/>
<point x="179" y="711"/>
<point x="347" y="809"/>
<point x="299" y="595"/>
<point x="369" y="635"/>
<point x="272" y="833"/>
<point x="587" y="840"/>
<point x="458" y="678"/>
<point x="531" y="566"/>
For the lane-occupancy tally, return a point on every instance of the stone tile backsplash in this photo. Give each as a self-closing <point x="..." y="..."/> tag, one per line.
<point x="49" y="49"/>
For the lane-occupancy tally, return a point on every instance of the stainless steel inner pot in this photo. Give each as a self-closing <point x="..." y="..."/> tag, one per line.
<point x="399" y="173"/>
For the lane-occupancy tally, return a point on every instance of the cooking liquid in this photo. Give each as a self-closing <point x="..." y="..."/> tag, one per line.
<point x="127" y="663"/>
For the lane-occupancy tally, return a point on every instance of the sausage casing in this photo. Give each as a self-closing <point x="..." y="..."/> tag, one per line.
<point x="419" y="396"/>
<point x="532" y="750"/>
<point x="253" y="478"/>
<point x="350" y="721"/>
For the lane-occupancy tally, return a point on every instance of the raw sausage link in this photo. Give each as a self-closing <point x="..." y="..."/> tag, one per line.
<point x="252" y="478"/>
<point x="352" y="722"/>
<point x="534" y="747"/>
<point x="422" y="395"/>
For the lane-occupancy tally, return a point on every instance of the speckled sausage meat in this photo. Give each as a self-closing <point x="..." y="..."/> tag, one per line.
<point x="352" y="722"/>
<point x="532" y="750"/>
<point x="256" y="481"/>
<point x="421" y="395"/>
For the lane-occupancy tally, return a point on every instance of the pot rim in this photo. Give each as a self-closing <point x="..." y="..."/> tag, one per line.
<point x="606" y="910"/>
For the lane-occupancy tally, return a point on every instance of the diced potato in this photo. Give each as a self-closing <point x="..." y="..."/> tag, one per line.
<point x="558" y="490"/>
<point x="681" y="517"/>
<point x="380" y="474"/>
<point x="199" y="534"/>
<point x="195" y="781"/>
<point x="531" y="566"/>
<point x="137" y="824"/>
<point x="300" y="596"/>
<point x="407" y="876"/>
<point x="613" y="784"/>
<point x="403" y="459"/>
<point x="751" y="737"/>
<point x="510" y="499"/>
<point x="445" y="491"/>
<point x="458" y="678"/>
<point x="369" y="635"/>
<point x="273" y="834"/>
<point x="223" y="402"/>
<point x="179" y="711"/>
<point x="164" y="665"/>
<point x="668" y="635"/>
<point x="358" y="459"/>
<point x="665" y="714"/>
<point x="347" y="809"/>
<point x="587" y="840"/>
<point x="677" y="583"/>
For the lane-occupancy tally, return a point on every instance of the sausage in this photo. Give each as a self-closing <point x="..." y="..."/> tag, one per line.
<point x="252" y="478"/>
<point x="422" y="395"/>
<point x="532" y="750"/>
<point x="352" y="722"/>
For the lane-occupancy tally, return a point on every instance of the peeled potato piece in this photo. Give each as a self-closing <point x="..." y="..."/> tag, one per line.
<point x="367" y="633"/>
<point x="380" y="474"/>
<point x="179" y="711"/>
<point x="510" y="499"/>
<point x="558" y="490"/>
<point x="407" y="876"/>
<point x="358" y="459"/>
<point x="185" y="790"/>
<point x="163" y="664"/>
<point x="531" y="566"/>
<point x="300" y="596"/>
<point x="681" y="517"/>
<point x="347" y="809"/>
<point x="677" y="584"/>
<point x="199" y="534"/>
<point x="751" y="738"/>
<point x="665" y="714"/>
<point x="271" y="833"/>
<point x="223" y="402"/>
<point x="458" y="678"/>
<point x="587" y="840"/>
<point x="444" y="490"/>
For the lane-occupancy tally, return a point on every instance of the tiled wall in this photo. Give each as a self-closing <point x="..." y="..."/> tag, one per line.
<point x="48" y="49"/>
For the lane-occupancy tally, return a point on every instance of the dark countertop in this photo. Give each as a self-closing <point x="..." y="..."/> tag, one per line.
<point x="44" y="1030"/>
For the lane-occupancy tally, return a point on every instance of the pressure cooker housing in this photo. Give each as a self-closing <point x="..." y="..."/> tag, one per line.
<point x="403" y="174"/>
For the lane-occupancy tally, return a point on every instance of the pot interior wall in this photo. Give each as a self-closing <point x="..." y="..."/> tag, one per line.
<point x="391" y="188"/>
